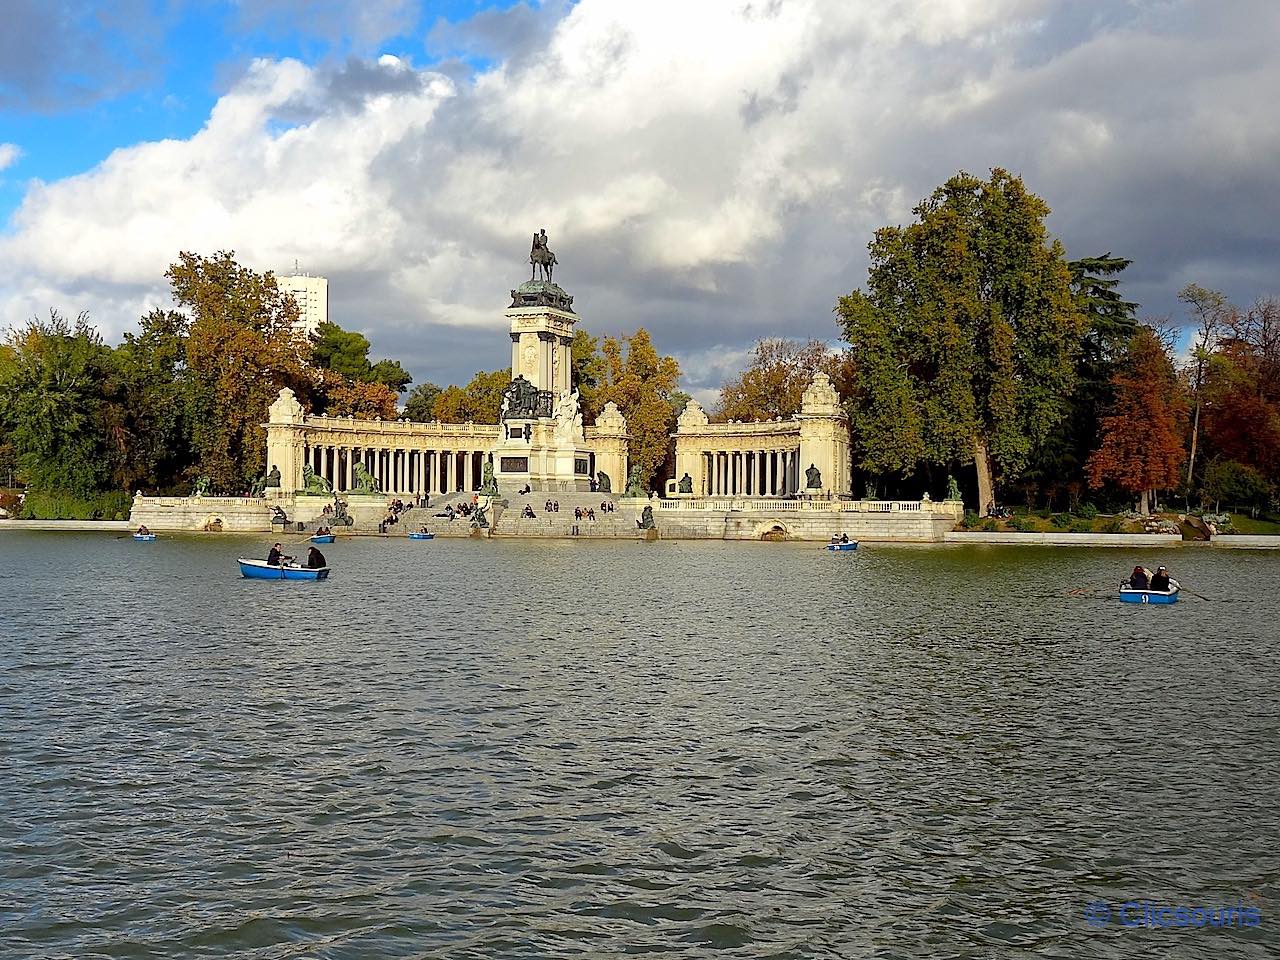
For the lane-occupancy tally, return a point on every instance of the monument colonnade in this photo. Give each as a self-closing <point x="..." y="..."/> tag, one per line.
<point x="428" y="466"/>
<point x="403" y="457"/>
<point x="805" y="454"/>
<point x="744" y="470"/>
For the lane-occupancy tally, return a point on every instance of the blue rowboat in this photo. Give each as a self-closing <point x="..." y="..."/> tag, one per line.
<point x="1130" y="595"/>
<point x="422" y="536"/>
<point x="142" y="537"/>
<point x="324" y="538"/>
<point x="261" y="570"/>
<point x="851" y="545"/>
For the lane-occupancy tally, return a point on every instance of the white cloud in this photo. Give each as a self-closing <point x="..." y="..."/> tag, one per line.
<point x="9" y="155"/>
<point x="712" y="171"/>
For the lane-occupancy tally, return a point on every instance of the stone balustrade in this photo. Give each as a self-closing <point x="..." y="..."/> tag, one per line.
<point x="767" y="505"/>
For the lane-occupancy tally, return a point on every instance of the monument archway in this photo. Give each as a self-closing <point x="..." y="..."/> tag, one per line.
<point x="771" y="530"/>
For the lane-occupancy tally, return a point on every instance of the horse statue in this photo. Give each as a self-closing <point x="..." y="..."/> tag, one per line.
<point x="313" y="483"/>
<point x="541" y="256"/>
<point x="364" y="481"/>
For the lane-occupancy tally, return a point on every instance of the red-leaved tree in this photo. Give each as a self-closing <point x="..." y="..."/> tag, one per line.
<point x="1142" y="448"/>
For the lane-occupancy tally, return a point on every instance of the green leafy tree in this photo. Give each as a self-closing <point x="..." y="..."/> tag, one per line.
<point x="970" y="315"/>
<point x="1111" y="320"/>
<point x="422" y="402"/>
<point x="588" y="369"/>
<point x="149" y="429"/>
<point x="241" y="349"/>
<point x="1110" y="323"/>
<point x="391" y="375"/>
<point x="346" y="353"/>
<point x="1235" y="484"/>
<point x="643" y="385"/>
<point x="51" y="380"/>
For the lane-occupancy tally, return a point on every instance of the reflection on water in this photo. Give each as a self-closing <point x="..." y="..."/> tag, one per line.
<point x="496" y="749"/>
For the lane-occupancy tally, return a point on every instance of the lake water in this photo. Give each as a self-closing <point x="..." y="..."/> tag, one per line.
<point x="490" y="749"/>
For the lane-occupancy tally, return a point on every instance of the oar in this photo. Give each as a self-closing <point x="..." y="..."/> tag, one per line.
<point x="1198" y="596"/>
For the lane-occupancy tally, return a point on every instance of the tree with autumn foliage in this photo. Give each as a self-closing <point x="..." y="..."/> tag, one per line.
<point x="241" y="350"/>
<point x="1242" y="390"/>
<point x="1143" y="432"/>
<point x="774" y="382"/>
<point x="480" y="401"/>
<point x="643" y="385"/>
<point x="336" y="396"/>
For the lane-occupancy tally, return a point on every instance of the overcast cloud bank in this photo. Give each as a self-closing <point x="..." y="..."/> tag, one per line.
<point x="712" y="171"/>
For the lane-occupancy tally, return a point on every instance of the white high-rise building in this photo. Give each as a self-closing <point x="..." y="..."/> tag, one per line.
<point x="312" y="296"/>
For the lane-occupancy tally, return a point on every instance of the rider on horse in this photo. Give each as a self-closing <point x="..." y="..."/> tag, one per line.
<point x="540" y="256"/>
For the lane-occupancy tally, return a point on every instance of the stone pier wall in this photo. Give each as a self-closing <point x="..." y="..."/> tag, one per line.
<point x="237" y="514"/>
<point x="812" y="526"/>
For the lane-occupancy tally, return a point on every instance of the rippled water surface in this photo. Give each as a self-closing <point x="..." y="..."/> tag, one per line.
<point x="473" y="749"/>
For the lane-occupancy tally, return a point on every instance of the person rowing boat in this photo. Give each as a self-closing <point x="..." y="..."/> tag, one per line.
<point x="277" y="559"/>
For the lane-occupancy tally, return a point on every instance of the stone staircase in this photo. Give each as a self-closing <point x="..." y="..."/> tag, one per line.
<point x="621" y="524"/>
<point x="412" y="520"/>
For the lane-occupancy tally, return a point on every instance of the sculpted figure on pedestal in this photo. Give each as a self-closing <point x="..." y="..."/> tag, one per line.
<point x="339" y="515"/>
<point x="313" y="483"/>
<point x="273" y="477"/>
<point x="603" y="483"/>
<point x="646" y="521"/>
<point x="541" y="257"/>
<point x="568" y="419"/>
<point x="686" y="484"/>
<point x="488" y="483"/>
<point x="813" y="478"/>
<point x="364" y="481"/>
<point x="635" y="486"/>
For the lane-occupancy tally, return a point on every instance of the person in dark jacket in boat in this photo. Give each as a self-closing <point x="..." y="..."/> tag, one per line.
<point x="1161" y="580"/>
<point x="1138" y="579"/>
<point x="275" y="558"/>
<point x="315" y="559"/>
